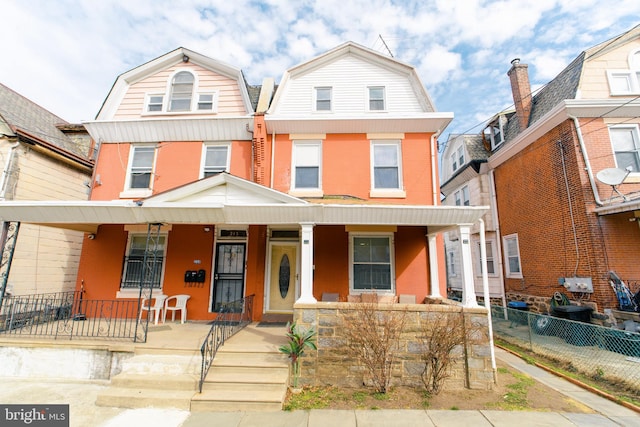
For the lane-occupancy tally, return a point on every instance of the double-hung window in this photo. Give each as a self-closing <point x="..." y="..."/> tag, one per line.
<point x="462" y="196"/>
<point x="215" y="160"/>
<point x="626" y="146"/>
<point x="323" y="99"/>
<point x="491" y="268"/>
<point x="386" y="165"/>
<point x="372" y="263"/>
<point x="376" y="98"/>
<point x="143" y="264"/>
<point x="154" y="103"/>
<point x="181" y="91"/>
<point x="141" y="164"/>
<point x="512" y="256"/>
<point x="461" y="155"/>
<point x="306" y="165"/>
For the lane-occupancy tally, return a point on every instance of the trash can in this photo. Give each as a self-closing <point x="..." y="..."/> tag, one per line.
<point x="520" y="318"/>
<point x="579" y="332"/>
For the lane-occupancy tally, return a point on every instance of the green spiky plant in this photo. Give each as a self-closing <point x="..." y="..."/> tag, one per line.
<point x="294" y="349"/>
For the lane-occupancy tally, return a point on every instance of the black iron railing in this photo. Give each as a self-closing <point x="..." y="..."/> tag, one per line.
<point x="231" y="318"/>
<point x="68" y="315"/>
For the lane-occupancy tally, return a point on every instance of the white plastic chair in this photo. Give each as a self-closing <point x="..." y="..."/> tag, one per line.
<point x="180" y="304"/>
<point x="156" y="308"/>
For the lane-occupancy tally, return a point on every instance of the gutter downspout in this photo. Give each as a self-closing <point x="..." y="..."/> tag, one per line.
<point x="487" y="298"/>
<point x="496" y="222"/>
<point x="5" y="173"/>
<point x="434" y="150"/>
<point x="273" y="156"/>
<point x="583" y="148"/>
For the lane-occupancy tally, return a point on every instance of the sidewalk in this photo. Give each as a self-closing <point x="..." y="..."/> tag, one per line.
<point x="81" y="396"/>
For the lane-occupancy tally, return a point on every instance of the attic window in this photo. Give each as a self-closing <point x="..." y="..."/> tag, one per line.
<point x="626" y="82"/>
<point x="181" y="91"/>
<point x="323" y="99"/>
<point x="376" y="98"/>
<point x="154" y="103"/>
<point x="496" y="131"/>
<point x="205" y="102"/>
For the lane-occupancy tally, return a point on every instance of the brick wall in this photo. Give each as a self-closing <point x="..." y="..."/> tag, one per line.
<point x="331" y="364"/>
<point x="533" y="202"/>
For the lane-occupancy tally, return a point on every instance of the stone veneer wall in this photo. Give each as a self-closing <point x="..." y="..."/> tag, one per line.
<point x="332" y="365"/>
<point x="542" y="305"/>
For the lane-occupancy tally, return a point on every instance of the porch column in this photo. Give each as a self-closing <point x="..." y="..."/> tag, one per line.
<point x="306" y="265"/>
<point x="433" y="267"/>
<point x="468" y="287"/>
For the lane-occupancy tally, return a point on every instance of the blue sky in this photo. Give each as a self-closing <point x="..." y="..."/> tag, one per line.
<point x="66" y="54"/>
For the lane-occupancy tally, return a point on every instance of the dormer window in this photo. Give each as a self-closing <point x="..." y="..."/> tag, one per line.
<point x="181" y="91"/>
<point x="461" y="155"/>
<point x="182" y="95"/>
<point x="323" y="99"/>
<point x="496" y="131"/>
<point x="626" y="82"/>
<point x="376" y="98"/>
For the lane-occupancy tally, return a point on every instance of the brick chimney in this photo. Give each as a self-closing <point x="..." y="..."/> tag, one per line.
<point x="521" y="90"/>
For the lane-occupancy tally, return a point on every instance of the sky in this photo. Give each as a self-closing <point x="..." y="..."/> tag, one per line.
<point x="65" y="55"/>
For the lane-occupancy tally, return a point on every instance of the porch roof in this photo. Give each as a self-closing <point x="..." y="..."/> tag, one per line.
<point x="88" y="215"/>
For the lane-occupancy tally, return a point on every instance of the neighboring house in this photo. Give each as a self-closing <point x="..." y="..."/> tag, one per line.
<point x="327" y="185"/>
<point x="43" y="158"/>
<point x="562" y="226"/>
<point x="466" y="183"/>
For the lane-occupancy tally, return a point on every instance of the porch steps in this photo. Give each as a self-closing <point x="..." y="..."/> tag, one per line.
<point x="154" y="378"/>
<point x="244" y="380"/>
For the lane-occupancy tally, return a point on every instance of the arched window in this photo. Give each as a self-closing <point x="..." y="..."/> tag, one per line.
<point x="181" y="91"/>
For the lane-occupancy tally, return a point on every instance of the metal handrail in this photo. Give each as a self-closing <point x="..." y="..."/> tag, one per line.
<point x="232" y="317"/>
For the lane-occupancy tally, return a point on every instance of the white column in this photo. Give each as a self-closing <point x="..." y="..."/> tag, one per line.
<point x="433" y="267"/>
<point x="468" y="289"/>
<point x="306" y="265"/>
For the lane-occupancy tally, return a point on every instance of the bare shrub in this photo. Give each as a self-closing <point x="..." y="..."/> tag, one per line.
<point x="439" y="338"/>
<point x="372" y="338"/>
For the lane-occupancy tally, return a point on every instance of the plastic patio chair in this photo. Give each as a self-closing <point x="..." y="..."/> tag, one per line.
<point x="156" y="308"/>
<point x="180" y="304"/>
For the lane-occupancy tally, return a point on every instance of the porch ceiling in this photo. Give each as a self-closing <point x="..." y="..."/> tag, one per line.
<point x="85" y="215"/>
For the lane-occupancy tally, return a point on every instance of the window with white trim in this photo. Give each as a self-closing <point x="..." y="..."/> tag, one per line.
<point x="491" y="268"/>
<point x="323" y="98"/>
<point x="626" y="82"/>
<point x="512" y="256"/>
<point x="376" y="98"/>
<point x="386" y="165"/>
<point x="135" y="271"/>
<point x="496" y="131"/>
<point x="462" y="196"/>
<point x="215" y="159"/>
<point x="181" y="91"/>
<point x="154" y="102"/>
<point x="626" y="147"/>
<point x="371" y="259"/>
<point x="206" y="102"/>
<point x="454" y="162"/>
<point x="306" y="165"/>
<point x="451" y="257"/>
<point x="141" y="163"/>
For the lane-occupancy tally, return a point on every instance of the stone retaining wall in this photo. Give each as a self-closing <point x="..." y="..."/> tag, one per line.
<point x="331" y="364"/>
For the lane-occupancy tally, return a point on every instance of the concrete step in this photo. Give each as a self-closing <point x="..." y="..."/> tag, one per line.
<point x="240" y="398"/>
<point x="141" y="398"/>
<point x="248" y="375"/>
<point x="163" y="364"/>
<point x="183" y="382"/>
<point x="250" y="359"/>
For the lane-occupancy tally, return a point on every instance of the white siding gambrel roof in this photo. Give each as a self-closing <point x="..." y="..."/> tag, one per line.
<point x="350" y="69"/>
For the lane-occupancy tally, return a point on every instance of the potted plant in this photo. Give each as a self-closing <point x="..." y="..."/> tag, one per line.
<point x="294" y="349"/>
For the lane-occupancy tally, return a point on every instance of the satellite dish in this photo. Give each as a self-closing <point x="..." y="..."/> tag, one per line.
<point x="613" y="177"/>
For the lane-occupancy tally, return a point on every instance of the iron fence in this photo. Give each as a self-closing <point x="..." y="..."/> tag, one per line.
<point x="231" y="318"/>
<point x="596" y="351"/>
<point x="68" y="315"/>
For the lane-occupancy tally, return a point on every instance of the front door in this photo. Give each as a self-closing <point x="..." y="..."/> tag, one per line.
<point x="281" y="289"/>
<point x="228" y="278"/>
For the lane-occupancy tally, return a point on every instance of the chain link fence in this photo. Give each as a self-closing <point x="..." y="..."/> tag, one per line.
<point x="601" y="353"/>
